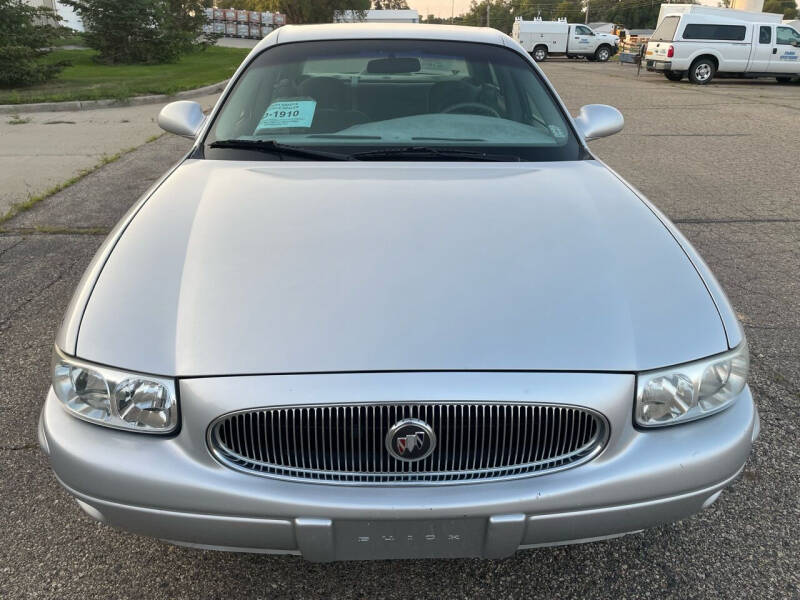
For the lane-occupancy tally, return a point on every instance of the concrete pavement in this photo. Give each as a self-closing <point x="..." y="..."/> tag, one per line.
<point x="41" y="150"/>
<point x="718" y="160"/>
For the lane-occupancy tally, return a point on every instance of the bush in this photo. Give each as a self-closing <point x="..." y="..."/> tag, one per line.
<point x="142" y="31"/>
<point x="26" y="34"/>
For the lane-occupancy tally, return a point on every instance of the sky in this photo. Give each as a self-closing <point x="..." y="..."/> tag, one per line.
<point x="443" y="8"/>
<point x="440" y="8"/>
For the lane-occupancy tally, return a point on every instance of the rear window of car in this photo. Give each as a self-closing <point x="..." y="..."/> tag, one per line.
<point x="665" y="32"/>
<point x="730" y="33"/>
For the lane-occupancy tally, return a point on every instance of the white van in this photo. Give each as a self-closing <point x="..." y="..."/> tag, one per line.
<point x="543" y="38"/>
<point x="705" y="42"/>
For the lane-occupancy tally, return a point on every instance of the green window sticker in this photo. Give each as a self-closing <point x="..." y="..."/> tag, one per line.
<point x="288" y="113"/>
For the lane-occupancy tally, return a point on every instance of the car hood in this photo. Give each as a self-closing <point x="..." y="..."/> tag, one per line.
<point x="288" y="267"/>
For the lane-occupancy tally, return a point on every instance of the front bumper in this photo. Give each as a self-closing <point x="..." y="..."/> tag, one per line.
<point x="171" y="487"/>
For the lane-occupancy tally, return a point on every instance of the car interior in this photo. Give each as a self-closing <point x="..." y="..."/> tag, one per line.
<point x="383" y="89"/>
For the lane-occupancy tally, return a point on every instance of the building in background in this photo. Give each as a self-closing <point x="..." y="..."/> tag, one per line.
<point x="602" y="27"/>
<point x="68" y="16"/>
<point x="377" y="16"/>
<point x="748" y="5"/>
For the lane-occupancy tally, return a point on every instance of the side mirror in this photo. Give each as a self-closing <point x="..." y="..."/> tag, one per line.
<point x="598" y="120"/>
<point x="184" y="118"/>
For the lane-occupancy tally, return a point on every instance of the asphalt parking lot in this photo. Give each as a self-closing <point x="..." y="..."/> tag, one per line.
<point x="720" y="160"/>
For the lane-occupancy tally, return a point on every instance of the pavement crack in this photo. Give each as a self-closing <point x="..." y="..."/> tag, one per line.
<point x="764" y="220"/>
<point x="702" y="135"/>
<point x="11" y="247"/>
<point x="38" y="293"/>
<point x="29" y="446"/>
<point x="55" y="230"/>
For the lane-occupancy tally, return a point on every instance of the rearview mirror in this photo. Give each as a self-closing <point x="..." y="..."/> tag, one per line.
<point x="184" y="118"/>
<point x="598" y="120"/>
<point x="389" y="66"/>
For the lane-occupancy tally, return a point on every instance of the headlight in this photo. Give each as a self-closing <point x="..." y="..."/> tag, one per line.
<point x="115" y="398"/>
<point x="693" y="390"/>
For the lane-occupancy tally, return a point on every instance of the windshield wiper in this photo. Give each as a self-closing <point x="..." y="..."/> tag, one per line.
<point x="280" y="149"/>
<point x="421" y="152"/>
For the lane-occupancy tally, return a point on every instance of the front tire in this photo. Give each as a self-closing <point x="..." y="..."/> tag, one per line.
<point x="702" y="71"/>
<point x="673" y="76"/>
<point x="539" y="53"/>
<point x="602" y="54"/>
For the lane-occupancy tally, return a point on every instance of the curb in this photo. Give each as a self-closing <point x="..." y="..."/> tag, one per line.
<point x="8" y="109"/>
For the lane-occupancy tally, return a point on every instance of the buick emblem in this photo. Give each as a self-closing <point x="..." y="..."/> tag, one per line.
<point x="410" y="440"/>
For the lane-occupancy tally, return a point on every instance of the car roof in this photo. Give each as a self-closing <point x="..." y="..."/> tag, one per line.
<point x="350" y="31"/>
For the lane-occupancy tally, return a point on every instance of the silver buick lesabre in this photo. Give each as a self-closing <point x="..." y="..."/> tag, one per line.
<point x="390" y="305"/>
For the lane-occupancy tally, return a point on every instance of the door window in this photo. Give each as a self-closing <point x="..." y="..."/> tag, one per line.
<point x="765" y="35"/>
<point x="787" y="36"/>
<point x="581" y="30"/>
<point x="696" y="31"/>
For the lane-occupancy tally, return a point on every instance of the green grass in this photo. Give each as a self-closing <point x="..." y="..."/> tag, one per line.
<point x="17" y="120"/>
<point x="88" y="80"/>
<point x="73" y="39"/>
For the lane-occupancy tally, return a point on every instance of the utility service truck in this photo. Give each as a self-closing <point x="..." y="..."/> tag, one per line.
<point x="544" y="38"/>
<point x="701" y="42"/>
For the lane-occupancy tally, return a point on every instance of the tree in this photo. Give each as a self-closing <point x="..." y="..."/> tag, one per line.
<point x="142" y="31"/>
<point x="318" y="11"/>
<point x="500" y="15"/>
<point x="259" y="5"/>
<point x="391" y="5"/>
<point x="26" y="35"/>
<point x="571" y="10"/>
<point x="787" y="8"/>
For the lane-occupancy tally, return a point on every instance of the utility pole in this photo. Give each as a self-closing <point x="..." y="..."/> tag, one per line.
<point x="587" y="13"/>
<point x="488" y="4"/>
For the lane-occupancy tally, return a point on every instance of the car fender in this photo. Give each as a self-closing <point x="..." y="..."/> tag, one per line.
<point x="67" y="336"/>
<point x="730" y="322"/>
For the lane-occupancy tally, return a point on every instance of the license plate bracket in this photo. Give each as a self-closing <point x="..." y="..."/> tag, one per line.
<point x="440" y="538"/>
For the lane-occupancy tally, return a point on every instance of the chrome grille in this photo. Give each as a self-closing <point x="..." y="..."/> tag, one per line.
<point x="346" y="443"/>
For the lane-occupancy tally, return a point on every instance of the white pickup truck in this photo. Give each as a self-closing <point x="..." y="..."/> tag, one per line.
<point x="544" y="38"/>
<point x="704" y="42"/>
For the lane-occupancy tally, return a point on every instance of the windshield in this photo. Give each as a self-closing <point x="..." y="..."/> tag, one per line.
<point x="666" y="31"/>
<point x="380" y="96"/>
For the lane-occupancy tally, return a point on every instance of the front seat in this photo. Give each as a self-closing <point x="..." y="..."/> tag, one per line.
<point x="444" y="94"/>
<point x="333" y="111"/>
<point x="329" y="92"/>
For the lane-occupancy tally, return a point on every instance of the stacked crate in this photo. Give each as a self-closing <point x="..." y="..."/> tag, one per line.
<point x="208" y="26"/>
<point x="630" y="49"/>
<point x="233" y="22"/>
<point x="633" y="44"/>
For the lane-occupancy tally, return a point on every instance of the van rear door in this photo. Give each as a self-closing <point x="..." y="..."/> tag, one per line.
<point x="662" y="38"/>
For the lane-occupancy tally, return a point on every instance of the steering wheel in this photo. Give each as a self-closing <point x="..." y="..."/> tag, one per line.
<point x="472" y="108"/>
